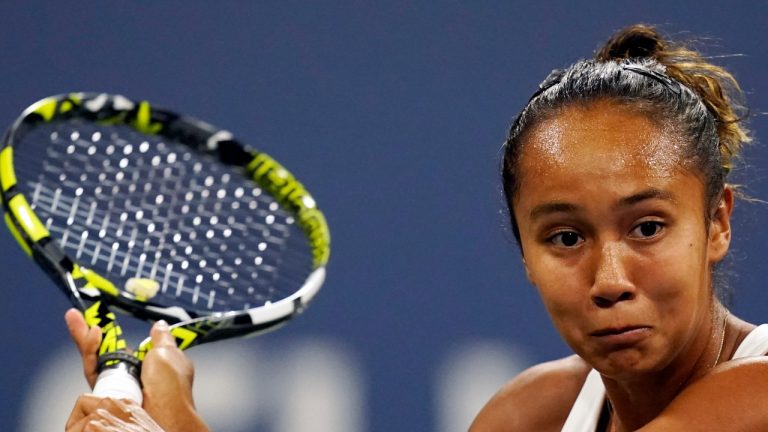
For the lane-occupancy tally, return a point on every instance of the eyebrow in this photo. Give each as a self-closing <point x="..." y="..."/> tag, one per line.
<point x="628" y="201"/>
<point x="552" y="207"/>
<point x="648" y="194"/>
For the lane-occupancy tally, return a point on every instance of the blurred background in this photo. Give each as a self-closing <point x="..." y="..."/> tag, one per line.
<point x="392" y="113"/>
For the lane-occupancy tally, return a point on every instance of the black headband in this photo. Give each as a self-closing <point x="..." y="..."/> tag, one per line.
<point x="663" y="78"/>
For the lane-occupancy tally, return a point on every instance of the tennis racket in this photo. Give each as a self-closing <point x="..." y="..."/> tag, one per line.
<point x="162" y="216"/>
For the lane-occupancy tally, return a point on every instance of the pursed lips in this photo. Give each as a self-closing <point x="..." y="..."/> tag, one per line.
<point x="609" y="331"/>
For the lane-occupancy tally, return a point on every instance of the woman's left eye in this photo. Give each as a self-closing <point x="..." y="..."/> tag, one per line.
<point x="647" y="229"/>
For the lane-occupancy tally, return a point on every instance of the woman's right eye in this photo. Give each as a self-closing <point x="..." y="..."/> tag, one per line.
<point x="566" y="239"/>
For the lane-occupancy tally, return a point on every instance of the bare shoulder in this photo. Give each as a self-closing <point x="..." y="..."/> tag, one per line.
<point x="733" y="396"/>
<point x="539" y="399"/>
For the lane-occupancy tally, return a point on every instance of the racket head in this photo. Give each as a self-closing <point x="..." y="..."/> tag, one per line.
<point x="116" y="199"/>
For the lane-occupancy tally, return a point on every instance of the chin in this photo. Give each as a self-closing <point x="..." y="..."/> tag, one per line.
<point x="626" y="365"/>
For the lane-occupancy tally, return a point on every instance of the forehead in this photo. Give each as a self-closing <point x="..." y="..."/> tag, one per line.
<point x="601" y="139"/>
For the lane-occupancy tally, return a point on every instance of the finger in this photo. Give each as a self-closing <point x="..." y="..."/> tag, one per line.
<point x="81" y="425"/>
<point x="110" y="408"/>
<point x="100" y="425"/>
<point x="161" y="335"/>
<point x="92" y="424"/>
<point x="93" y="413"/>
<point x="121" y="415"/>
<point x="87" y="341"/>
<point x="89" y="407"/>
<point x="77" y="327"/>
<point x="129" y="419"/>
<point x="84" y="405"/>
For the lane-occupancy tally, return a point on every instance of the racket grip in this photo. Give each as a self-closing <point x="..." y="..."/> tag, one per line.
<point x="119" y="383"/>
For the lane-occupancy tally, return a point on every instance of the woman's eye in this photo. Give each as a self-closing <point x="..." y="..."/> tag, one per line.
<point x="566" y="239"/>
<point x="647" y="229"/>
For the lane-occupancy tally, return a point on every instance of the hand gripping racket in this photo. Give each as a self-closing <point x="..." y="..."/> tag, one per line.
<point x="162" y="216"/>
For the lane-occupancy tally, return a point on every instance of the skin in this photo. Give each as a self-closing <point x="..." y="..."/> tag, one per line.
<point x="166" y="375"/>
<point x="94" y="414"/>
<point x="615" y="239"/>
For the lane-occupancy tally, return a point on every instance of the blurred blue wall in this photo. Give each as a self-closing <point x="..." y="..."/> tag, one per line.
<point x="392" y="113"/>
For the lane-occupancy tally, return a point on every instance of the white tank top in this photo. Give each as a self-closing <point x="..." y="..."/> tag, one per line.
<point x="586" y="411"/>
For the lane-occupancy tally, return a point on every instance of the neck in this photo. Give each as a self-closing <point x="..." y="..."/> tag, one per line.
<point x="638" y="400"/>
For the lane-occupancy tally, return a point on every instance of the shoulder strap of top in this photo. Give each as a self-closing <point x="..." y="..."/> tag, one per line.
<point x="755" y="344"/>
<point x="586" y="410"/>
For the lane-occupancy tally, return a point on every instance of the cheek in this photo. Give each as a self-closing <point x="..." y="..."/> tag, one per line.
<point x="569" y="316"/>
<point x="678" y="270"/>
<point x="563" y="294"/>
<point x="563" y="286"/>
<point x="667" y="289"/>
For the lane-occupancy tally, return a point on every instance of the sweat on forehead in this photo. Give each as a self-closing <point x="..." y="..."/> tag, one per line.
<point x="600" y="138"/>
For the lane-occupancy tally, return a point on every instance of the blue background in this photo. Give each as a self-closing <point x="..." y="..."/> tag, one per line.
<point x="392" y="113"/>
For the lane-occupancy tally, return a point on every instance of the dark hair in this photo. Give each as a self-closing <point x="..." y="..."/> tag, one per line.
<point x="641" y="70"/>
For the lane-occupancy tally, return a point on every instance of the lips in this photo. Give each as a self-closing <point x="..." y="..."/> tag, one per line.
<point x="621" y="337"/>
<point x="617" y="330"/>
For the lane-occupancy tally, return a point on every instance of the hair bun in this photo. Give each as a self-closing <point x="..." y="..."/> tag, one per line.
<point x="714" y="85"/>
<point x="635" y="41"/>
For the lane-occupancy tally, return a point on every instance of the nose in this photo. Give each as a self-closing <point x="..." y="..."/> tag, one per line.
<point x="611" y="283"/>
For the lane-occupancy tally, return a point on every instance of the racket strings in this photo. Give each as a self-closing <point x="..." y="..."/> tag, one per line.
<point x="133" y="205"/>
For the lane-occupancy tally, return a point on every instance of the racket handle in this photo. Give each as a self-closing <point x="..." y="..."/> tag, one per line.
<point x="119" y="383"/>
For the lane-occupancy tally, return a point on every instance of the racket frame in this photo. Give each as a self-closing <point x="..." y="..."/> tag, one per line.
<point x="95" y="295"/>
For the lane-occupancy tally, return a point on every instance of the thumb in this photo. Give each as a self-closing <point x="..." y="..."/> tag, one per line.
<point x="161" y="335"/>
<point x="87" y="342"/>
<point x="86" y="339"/>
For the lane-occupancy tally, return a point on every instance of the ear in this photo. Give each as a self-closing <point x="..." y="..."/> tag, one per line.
<point x="528" y="271"/>
<point x="720" y="227"/>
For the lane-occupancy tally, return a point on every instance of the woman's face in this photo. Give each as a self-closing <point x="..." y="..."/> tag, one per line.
<point x="615" y="238"/>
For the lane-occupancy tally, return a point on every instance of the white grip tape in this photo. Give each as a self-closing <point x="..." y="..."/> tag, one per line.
<point x="118" y="383"/>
